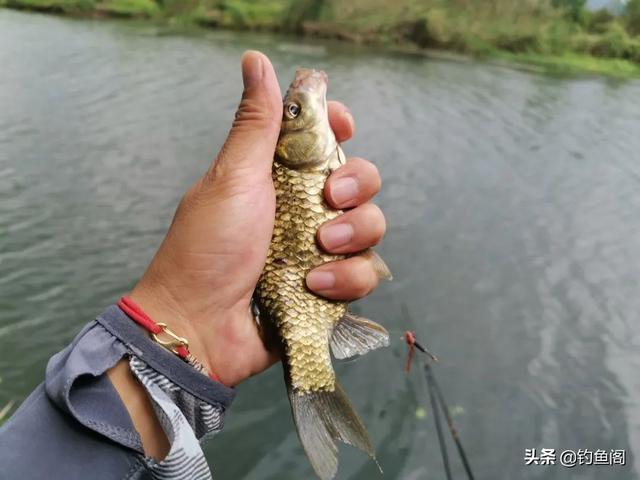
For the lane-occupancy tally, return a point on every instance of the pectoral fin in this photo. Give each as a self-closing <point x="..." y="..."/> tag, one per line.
<point x="338" y="159"/>
<point x="354" y="335"/>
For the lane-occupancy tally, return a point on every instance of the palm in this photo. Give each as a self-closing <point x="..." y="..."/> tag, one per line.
<point x="223" y="260"/>
<point x="234" y="245"/>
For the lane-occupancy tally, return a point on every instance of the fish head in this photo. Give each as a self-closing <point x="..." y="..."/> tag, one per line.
<point x="305" y="103"/>
<point x="306" y="137"/>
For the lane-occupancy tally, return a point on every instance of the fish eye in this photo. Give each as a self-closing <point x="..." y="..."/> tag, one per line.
<point x="293" y="110"/>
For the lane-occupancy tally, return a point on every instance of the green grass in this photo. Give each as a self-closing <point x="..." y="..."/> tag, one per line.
<point x="61" y="6"/>
<point x="129" y="8"/>
<point x="573" y="64"/>
<point x="532" y="32"/>
<point x="251" y="14"/>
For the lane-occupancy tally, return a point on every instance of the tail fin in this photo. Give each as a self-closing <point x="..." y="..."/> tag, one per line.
<point x="321" y="418"/>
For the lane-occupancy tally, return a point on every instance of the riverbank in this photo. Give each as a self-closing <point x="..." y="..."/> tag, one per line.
<point x="525" y="34"/>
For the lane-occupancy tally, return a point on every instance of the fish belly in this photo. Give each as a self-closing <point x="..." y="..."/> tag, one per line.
<point x="304" y="321"/>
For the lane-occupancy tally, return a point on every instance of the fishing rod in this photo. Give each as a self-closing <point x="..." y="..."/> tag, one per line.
<point x="438" y="403"/>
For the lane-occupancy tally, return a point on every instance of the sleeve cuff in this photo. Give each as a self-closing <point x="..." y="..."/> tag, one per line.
<point x="116" y="322"/>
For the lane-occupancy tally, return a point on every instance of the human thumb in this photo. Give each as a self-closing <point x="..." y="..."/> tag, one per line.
<point x="251" y="142"/>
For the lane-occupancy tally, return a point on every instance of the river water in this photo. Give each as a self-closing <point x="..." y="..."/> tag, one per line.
<point x="513" y="207"/>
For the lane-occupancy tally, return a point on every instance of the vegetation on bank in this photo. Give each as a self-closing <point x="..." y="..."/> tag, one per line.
<point x="557" y="35"/>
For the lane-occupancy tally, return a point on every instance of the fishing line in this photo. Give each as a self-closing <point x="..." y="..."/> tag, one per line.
<point x="438" y="403"/>
<point x="447" y="415"/>
<point x="436" y="416"/>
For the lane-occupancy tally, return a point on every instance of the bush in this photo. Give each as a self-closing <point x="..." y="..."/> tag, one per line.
<point x="299" y="12"/>
<point x="130" y="8"/>
<point x="556" y="38"/>
<point x="615" y="42"/>
<point x="632" y="17"/>
<point x="432" y="30"/>
<point x="575" y="9"/>
<point x="245" y="13"/>
<point x="583" y="43"/>
<point x="77" y="6"/>
<point x="64" y="6"/>
<point x="600" y="20"/>
<point x="518" y="42"/>
<point x="633" y="50"/>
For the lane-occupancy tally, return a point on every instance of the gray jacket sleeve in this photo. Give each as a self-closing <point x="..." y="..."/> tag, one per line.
<point x="74" y="425"/>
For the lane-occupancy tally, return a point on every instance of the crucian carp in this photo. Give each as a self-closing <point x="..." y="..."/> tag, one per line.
<point x="310" y="327"/>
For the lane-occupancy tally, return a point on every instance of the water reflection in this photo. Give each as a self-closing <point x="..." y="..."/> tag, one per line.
<point x="513" y="210"/>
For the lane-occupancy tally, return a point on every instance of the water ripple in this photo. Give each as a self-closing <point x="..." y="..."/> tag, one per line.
<point x="512" y="203"/>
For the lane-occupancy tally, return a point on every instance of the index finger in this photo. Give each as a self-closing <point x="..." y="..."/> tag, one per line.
<point x="341" y="120"/>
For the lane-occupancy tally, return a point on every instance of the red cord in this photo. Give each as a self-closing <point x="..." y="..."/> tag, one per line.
<point x="135" y="313"/>
<point x="410" y="338"/>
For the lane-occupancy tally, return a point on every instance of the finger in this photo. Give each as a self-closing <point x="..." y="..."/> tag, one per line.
<point x="354" y="183"/>
<point x="341" y="121"/>
<point x="347" y="279"/>
<point x="353" y="231"/>
<point x="253" y="136"/>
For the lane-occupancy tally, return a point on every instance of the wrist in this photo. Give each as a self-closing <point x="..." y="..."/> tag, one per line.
<point x="213" y="336"/>
<point x="170" y="320"/>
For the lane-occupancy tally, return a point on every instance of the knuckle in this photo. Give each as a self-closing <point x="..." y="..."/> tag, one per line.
<point x="361" y="290"/>
<point x="374" y="221"/>
<point x="355" y="163"/>
<point x="364" y="280"/>
<point x="189" y="199"/>
<point x="222" y="165"/>
<point x="380" y="226"/>
<point x="254" y="114"/>
<point x="367" y="173"/>
<point x="377" y="182"/>
<point x="229" y="173"/>
<point x="337" y="104"/>
<point x="372" y="177"/>
<point x="198" y="196"/>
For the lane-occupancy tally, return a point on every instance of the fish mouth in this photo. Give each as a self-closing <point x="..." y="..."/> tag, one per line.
<point x="310" y="79"/>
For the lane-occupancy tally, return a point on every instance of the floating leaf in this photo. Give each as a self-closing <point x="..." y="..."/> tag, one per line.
<point x="421" y="413"/>
<point x="456" y="410"/>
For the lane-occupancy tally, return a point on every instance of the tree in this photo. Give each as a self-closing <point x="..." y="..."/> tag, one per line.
<point x="632" y="17"/>
<point x="574" y="8"/>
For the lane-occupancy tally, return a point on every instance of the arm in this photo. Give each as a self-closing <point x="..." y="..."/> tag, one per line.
<point x="200" y="284"/>
<point x="138" y="404"/>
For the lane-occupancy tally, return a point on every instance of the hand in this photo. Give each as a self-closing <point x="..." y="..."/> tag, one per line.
<point x="201" y="280"/>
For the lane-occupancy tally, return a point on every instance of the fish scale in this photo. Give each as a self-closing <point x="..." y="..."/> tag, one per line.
<point x="304" y="320"/>
<point x="312" y="328"/>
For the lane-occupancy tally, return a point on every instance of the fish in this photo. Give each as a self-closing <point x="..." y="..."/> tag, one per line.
<point x="310" y="327"/>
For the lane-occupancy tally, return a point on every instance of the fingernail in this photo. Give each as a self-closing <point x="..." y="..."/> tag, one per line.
<point x="320" y="280"/>
<point x="251" y="68"/>
<point x="344" y="189"/>
<point x="336" y="235"/>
